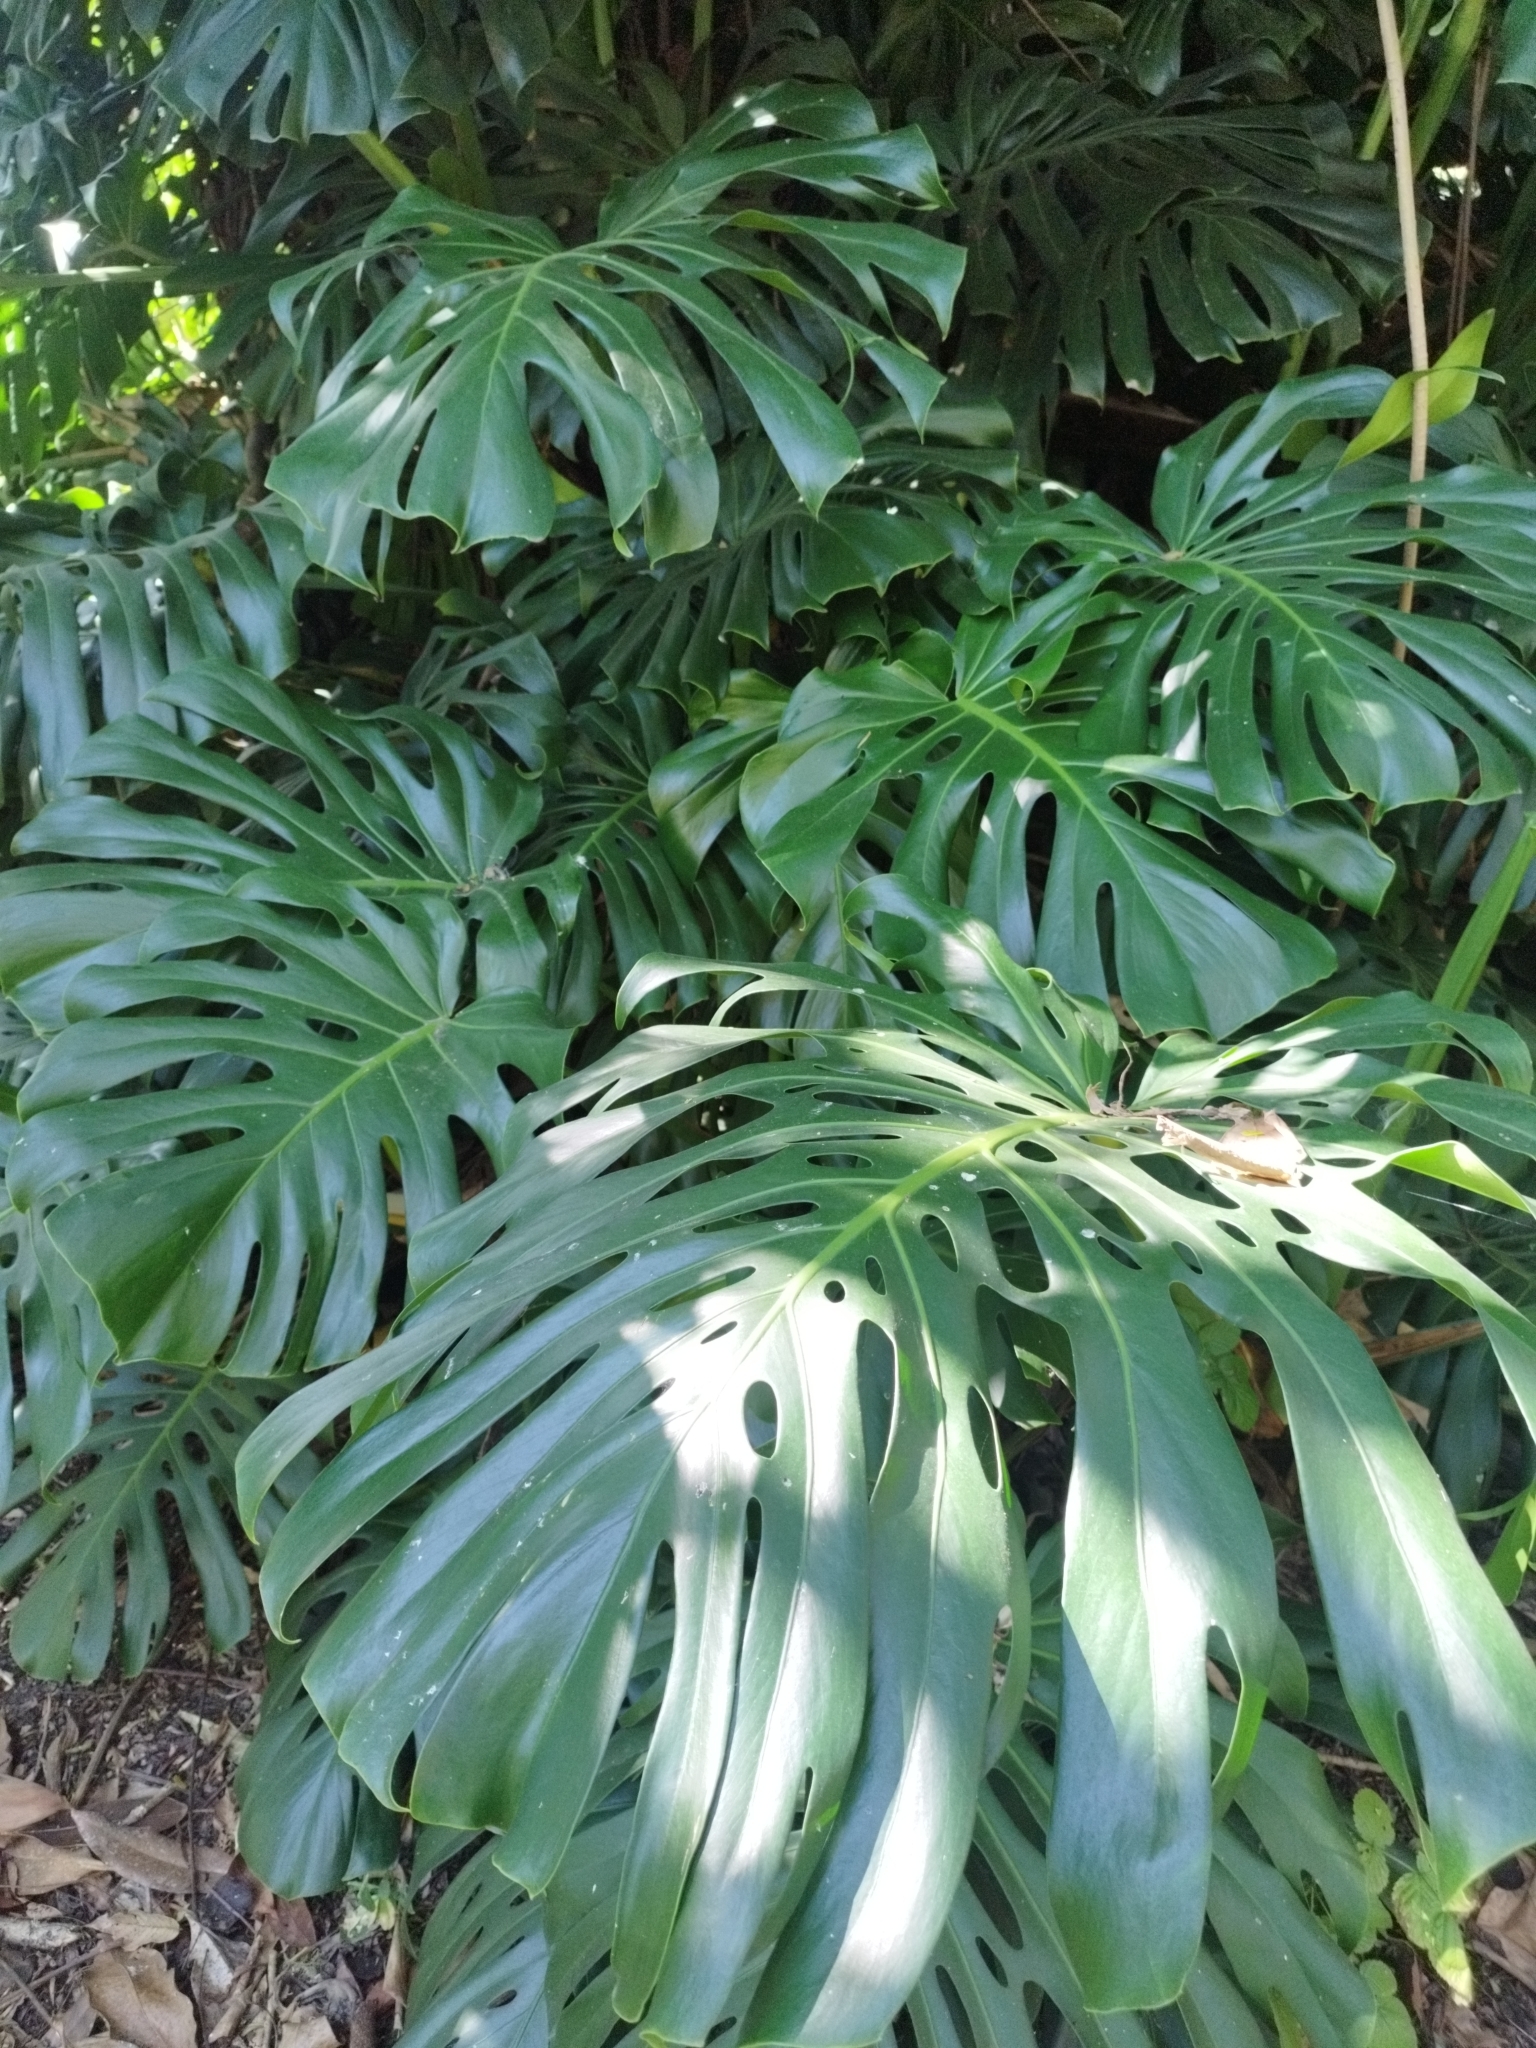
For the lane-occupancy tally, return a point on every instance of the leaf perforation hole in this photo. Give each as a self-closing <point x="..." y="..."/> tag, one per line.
<point x="1291" y="1223"/>
<point x="760" y="1418"/>
<point x="939" y="1240"/>
<point x="649" y="1400"/>
<point x="960" y="2019"/>
<point x="874" y="1273"/>
<point x="942" y="750"/>
<point x="1118" y="1253"/>
<point x="328" y="1027"/>
<point x="839" y="1162"/>
<point x="1232" y="1230"/>
<point x="875" y="1368"/>
<point x="803" y="1800"/>
<point x="916" y="727"/>
<point x="724" y="1330"/>
<point x="1183" y="1252"/>
<point x="588" y="1977"/>
<point x="989" y="1959"/>
<point x="1031" y="1148"/>
<point x="1014" y="1245"/>
<point x="1107" y="1214"/>
<point x="835" y="1291"/>
<point x="984" y="1437"/>
<point x="993" y="1900"/>
<point x="1013" y="1803"/>
<point x="715" y="1283"/>
<point x="720" y="2027"/>
<point x="1180" y="1178"/>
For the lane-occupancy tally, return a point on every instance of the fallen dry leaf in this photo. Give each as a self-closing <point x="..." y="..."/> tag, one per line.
<point x="23" y="1804"/>
<point x="49" y="1933"/>
<point x="126" y="1929"/>
<point x="145" y="1857"/>
<point x="138" y="1998"/>
<point x="32" y="1868"/>
<point x="305" y="2028"/>
<point x="211" y="1972"/>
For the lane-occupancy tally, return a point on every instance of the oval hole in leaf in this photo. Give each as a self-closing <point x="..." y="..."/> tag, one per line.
<point x="874" y="1275"/>
<point x="834" y="1290"/>
<point x="875" y="1356"/>
<point x="983" y="1436"/>
<point x="1013" y="1242"/>
<point x="960" y="2019"/>
<point x="1180" y="1178"/>
<point x="760" y="1413"/>
<point x="916" y="727"/>
<point x="1187" y="1256"/>
<point x="994" y="1901"/>
<point x="1026" y="1148"/>
<point x="1232" y="1231"/>
<point x="936" y="1235"/>
<point x="1292" y="1223"/>
<point x="724" y="1330"/>
<point x="1118" y="1253"/>
<point x="993" y="1966"/>
<point x="942" y="749"/>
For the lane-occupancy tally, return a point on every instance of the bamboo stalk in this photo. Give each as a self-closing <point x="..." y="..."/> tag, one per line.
<point x="1413" y="284"/>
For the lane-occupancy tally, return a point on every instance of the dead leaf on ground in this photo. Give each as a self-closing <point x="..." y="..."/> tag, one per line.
<point x="305" y="2028"/>
<point x="31" y="1868"/>
<point x="23" y="1804"/>
<point x="52" y="1932"/>
<point x="1506" y="1927"/>
<point x="138" y="1998"/>
<point x="211" y="1972"/>
<point x="145" y="1857"/>
<point x="127" y="1929"/>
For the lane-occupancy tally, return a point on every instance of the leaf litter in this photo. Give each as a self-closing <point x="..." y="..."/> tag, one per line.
<point x="127" y="1918"/>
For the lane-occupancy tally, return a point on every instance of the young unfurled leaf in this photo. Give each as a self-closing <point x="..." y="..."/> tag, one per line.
<point x="1452" y="379"/>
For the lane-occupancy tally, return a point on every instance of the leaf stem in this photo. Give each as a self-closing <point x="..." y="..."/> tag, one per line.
<point x="391" y="168"/>
<point x="466" y="135"/>
<point x="1464" y="970"/>
<point x="1413" y="286"/>
<point x="602" y="35"/>
<point x="1461" y="40"/>
<point x="1414" y="24"/>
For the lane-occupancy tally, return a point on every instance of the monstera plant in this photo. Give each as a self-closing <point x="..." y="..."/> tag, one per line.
<point x="732" y="1036"/>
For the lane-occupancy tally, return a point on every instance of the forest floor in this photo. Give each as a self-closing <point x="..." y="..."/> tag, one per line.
<point x="126" y="1915"/>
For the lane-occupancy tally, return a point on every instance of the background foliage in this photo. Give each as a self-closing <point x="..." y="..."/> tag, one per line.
<point x="750" y="971"/>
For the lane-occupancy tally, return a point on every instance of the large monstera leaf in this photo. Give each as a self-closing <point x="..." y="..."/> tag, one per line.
<point x="499" y="1967"/>
<point x="1239" y="222"/>
<point x="430" y="412"/>
<point x="326" y="988"/>
<point x="1156" y="696"/>
<point x="900" y="510"/>
<point x="757" y="1375"/>
<point x="1250" y="635"/>
<point x="983" y="747"/>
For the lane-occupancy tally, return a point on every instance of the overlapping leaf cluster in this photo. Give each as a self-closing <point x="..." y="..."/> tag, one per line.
<point x="627" y="951"/>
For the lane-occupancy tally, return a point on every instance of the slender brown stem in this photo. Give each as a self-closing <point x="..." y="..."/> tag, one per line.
<point x="1413" y="284"/>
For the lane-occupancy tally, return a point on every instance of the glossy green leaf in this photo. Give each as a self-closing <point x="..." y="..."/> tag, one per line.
<point x="312" y="975"/>
<point x="445" y="368"/>
<point x="1452" y="381"/>
<point x="104" y="1573"/>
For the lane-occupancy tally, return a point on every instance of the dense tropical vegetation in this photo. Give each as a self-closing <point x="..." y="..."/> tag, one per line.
<point x="758" y="941"/>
